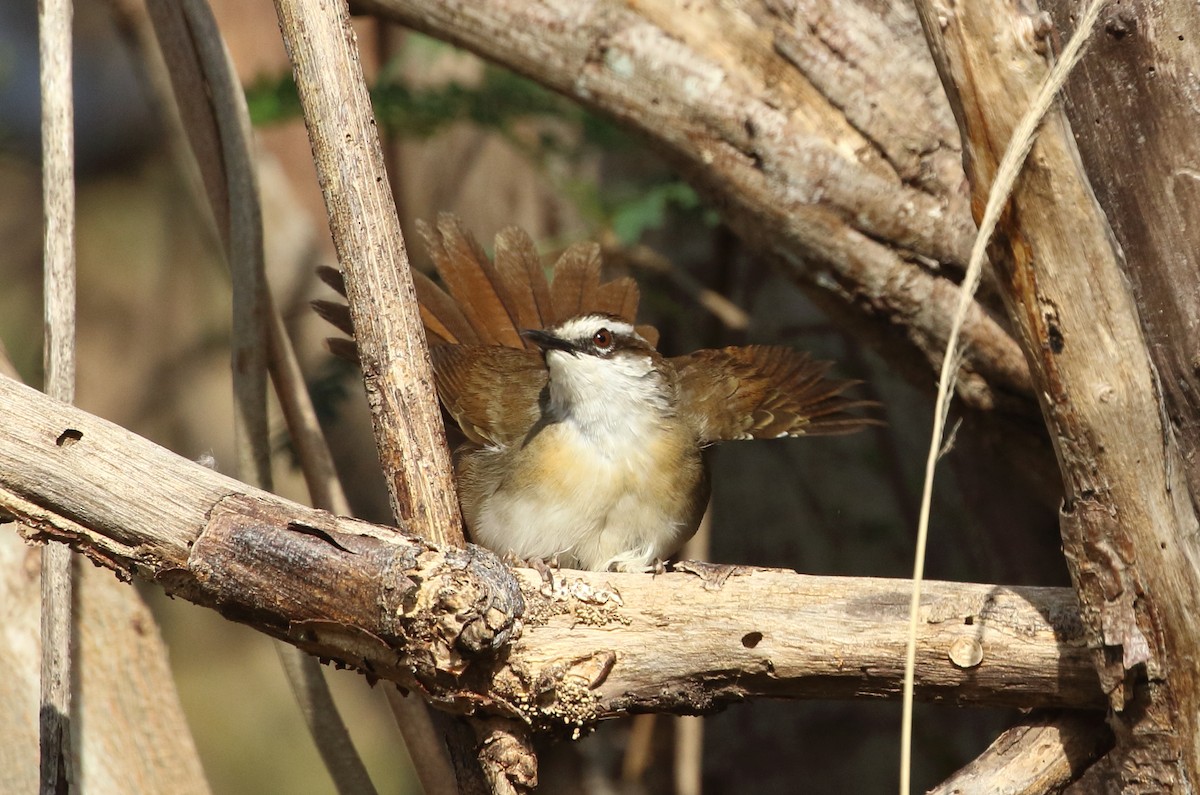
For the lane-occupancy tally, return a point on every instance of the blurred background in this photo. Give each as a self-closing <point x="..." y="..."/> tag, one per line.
<point x="466" y="137"/>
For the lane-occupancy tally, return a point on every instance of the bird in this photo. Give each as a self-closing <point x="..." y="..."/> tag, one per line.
<point x="582" y="443"/>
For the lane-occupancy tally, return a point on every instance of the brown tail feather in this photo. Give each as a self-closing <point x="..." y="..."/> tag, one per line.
<point x="472" y="281"/>
<point x="618" y="297"/>
<point x="520" y="270"/>
<point x="488" y="303"/>
<point x="335" y="313"/>
<point x="443" y="316"/>
<point x="576" y="277"/>
<point x="332" y="277"/>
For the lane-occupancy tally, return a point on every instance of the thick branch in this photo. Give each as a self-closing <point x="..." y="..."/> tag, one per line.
<point x="595" y="645"/>
<point x="1129" y="530"/>
<point x="778" y="115"/>
<point x="1042" y="754"/>
<point x="1136" y="85"/>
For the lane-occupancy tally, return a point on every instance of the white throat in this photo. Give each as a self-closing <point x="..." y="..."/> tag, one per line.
<point x="614" y="402"/>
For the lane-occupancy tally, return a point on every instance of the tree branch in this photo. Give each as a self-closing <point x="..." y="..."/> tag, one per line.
<point x="1129" y="532"/>
<point x="765" y="110"/>
<point x="437" y="620"/>
<point x="1041" y="754"/>
<point x="366" y="233"/>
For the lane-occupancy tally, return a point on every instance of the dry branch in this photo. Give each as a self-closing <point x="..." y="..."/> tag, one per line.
<point x="59" y="764"/>
<point x="366" y="233"/>
<point x="776" y="113"/>
<point x="1129" y="530"/>
<point x="1040" y="755"/>
<point x="596" y="645"/>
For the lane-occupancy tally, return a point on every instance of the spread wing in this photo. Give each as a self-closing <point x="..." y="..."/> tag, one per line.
<point x="764" y="392"/>
<point x="491" y="392"/>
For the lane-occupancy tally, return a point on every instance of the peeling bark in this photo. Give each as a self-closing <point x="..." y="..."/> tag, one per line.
<point x="1130" y="532"/>
<point x="457" y="626"/>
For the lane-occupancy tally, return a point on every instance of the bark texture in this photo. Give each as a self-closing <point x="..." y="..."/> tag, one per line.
<point x="1128" y="524"/>
<point x="455" y="624"/>
<point x="1042" y="754"/>
<point x="366" y="232"/>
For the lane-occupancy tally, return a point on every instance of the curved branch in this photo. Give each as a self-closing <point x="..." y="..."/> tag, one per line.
<point x="853" y="183"/>
<point x="456" y="624"/>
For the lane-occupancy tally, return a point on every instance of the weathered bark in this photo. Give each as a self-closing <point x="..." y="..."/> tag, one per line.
<point x="594" y="645"/>
<point x="1041" y="755"/>
<point x="777" y="113"/>
<point x="1128" y="524"/>
<point x="362" y="218"/>
<point x="1136" y="86"/>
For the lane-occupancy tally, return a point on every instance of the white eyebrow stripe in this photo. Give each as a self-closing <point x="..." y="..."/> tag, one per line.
<point x="585" y="326"/>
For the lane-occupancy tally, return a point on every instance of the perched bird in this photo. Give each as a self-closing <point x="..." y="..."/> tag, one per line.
<point x="583" y="443"/>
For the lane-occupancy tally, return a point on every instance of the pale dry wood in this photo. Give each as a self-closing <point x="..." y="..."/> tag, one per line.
<point x="137" y="738"/>
<point x="596" y="645"/>
<point x="207" y="92"/>
<point x="1129" y="529"/>
<point x="391" y="342"/>
<point x="775" y="112"/>
<point x="1041" y="755"/>
<point x="1136" y="86"/>
<point x="59" y="762"/>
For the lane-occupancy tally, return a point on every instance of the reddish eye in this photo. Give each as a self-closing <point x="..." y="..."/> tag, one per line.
<point x="603" y="339"/>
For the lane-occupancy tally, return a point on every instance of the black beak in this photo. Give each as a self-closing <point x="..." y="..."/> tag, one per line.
<point x="547" y="341"/>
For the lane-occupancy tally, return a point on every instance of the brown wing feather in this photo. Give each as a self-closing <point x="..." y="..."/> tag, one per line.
<point x="576" y="277"/>
<point x="491" y="392"/>
<point x="764" y="392"/>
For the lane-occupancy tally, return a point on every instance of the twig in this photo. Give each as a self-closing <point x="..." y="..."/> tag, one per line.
<point x="366" y="234"/>
<point x="1041" y="754"/>
<point x="58" y="192"/>
<point x="207" y="89"/>
<point x="1006" y="176"/>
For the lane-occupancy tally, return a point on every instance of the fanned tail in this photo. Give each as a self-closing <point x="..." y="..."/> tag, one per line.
<point x="490" y="303"/>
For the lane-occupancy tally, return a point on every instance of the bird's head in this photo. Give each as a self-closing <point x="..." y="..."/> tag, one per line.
<point x="599" y="363"/>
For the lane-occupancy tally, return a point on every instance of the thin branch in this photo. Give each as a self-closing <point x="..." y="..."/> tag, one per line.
<point x="58" y="195"/>
<point x="1040" y="755"/>
<point x="431" y="618"/>
<point x="207" y="89"/>
<point x="366" y="234"/>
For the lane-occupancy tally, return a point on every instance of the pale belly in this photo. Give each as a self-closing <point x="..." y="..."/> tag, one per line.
<point x="559" y="496"/>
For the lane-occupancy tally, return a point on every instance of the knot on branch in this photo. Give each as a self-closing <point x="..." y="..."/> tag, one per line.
<point x="362" y="595"/>
<point x="463" y="602"/>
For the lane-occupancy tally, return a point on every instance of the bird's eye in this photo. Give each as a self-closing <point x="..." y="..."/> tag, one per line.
<point x="603" y="339"/>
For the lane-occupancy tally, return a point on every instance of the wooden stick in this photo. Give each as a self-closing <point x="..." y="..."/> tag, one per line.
<point x="362" y="218"/>
<point x="58" y="192"/>
<point x="595" y="645"/>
